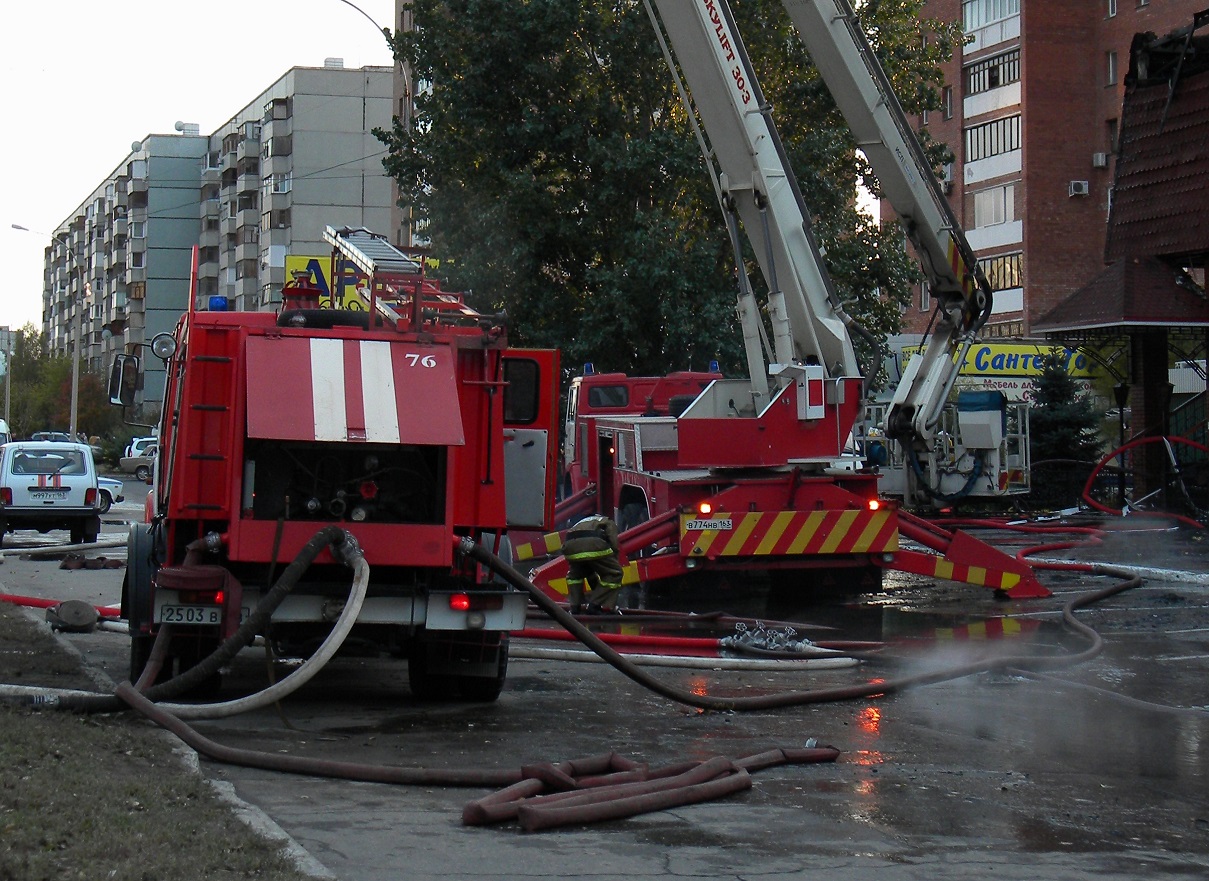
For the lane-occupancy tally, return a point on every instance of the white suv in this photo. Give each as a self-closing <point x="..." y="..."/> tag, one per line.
<point x="47" y="485"/>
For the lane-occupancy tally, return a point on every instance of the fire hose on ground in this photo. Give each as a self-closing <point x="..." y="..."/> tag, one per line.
<point x="344" y="546"/>
<point x="524" y="799"/>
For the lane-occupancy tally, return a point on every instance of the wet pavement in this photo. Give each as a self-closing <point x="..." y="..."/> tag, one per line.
<point x="1085" y="772"/>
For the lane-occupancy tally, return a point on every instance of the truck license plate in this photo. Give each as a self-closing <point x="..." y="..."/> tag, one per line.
<point x="177" y="614"/>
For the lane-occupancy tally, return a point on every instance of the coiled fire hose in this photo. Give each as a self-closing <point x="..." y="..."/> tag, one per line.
<point x="343" y="545"/>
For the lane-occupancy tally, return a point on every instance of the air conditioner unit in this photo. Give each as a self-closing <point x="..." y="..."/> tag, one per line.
<point x="1078" y="188"/>
<point x="1099" y="160"/>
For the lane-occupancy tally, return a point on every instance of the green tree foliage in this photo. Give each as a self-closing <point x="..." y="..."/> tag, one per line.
<point x="41" y="391"/>
<point x="556" y="171"/>
<point x="1063" y="424"/>
<point x="1063" y="435"/>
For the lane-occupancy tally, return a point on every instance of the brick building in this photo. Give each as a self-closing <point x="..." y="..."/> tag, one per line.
<point x="1031" y="111"/>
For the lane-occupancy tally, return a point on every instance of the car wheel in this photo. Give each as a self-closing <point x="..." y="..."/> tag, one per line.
<point x="142" y="472"/>
<point x="106" y="502"/>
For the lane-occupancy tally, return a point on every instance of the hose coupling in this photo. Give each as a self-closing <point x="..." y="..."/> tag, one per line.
<point x="214" y="542"/>
<point x="347" y="549"/>
<point x="466" y="544"/>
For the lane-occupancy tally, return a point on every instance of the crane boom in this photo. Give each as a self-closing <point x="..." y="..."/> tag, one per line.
<point x="856" y="80"/>
<point x="753" y="173"/>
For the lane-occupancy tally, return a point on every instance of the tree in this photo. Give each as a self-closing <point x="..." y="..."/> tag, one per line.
<point x="41" y="391"/>
<point x="556" y="173"/>
<point x="1063" y="434"/>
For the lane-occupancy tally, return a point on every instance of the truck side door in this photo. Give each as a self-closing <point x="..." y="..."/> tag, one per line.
<point x="530" y="436"/>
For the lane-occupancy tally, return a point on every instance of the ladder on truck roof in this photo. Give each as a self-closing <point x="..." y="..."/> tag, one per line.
<point x="398" y="290"/>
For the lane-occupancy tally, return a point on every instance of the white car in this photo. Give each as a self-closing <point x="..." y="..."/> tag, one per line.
<point x="47" y="485"/>
<point x="110" y="492"/>
<point x="138" y="446"/>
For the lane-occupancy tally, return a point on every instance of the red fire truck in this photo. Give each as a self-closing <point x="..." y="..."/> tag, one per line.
<point x="765" y="471"/>
<point x="412" y="425"/>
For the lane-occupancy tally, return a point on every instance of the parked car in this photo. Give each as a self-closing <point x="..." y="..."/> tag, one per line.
<point x="59" y="436"/>
<point x="47" y="485"/>
<point x="138" y="446"/>
<point x="110" y="491"/>
<point x="139" y="466"/>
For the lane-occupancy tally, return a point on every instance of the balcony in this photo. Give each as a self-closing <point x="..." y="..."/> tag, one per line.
<point x="136" y="275"/>
<point x="992" y="167"/>
<point x="249" y="217"/>
<point x="993" y="34"/>
<point x="991" y="100"/>
<point x="136" y="185"/>
<point x="996" y="235"/>
<point x="247" y="251"/>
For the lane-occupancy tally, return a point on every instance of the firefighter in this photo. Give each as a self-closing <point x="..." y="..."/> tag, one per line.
<point x="591" y="551"/>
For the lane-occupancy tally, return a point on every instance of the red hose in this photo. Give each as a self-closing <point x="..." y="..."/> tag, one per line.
<point x="39" y="603"/>
<point x="1137" y="442"/>
<point x="624" y="639"/>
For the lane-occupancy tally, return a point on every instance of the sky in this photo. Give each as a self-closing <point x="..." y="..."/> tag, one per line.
<point x="83" y="80"/>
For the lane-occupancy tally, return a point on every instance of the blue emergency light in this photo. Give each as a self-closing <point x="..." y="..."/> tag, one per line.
<point x="218" y="304"/>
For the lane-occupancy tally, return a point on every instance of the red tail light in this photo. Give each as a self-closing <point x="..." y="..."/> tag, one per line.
<point x="6" y="495"/>
<point x="459" y="602"/>
<point x="90" y="498"/>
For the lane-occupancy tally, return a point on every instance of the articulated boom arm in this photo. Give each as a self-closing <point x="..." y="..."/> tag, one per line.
<point x="854" y="76"/>
<point x="756" y="183"/>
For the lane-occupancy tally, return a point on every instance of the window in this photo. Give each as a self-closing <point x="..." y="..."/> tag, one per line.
<point x="1113" y="134"/>
<point x="522" y="401"/>
<point x="1110" y="68"/>
<point x="1112" y="8"/>
<point x="995" y="205"/>
<point x="946" y="102"/>
<point x="992" y="138"/>
<point x="608" y="396"/>
<point x="136" y="259"/>
<point x="978" y="13"/>
<point x="992" y="73"/>
<point x="925" y="297"/>
<point x="137" y="229"/>
<point x="1003" y="272"/>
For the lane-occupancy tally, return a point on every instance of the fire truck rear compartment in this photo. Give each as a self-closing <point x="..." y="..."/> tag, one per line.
<point x="376" y="483"/>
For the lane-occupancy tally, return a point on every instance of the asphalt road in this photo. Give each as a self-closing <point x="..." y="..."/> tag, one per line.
<point x="994" y="775"/>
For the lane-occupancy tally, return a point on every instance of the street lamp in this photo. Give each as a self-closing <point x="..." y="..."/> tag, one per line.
<point x="77" y="330"/>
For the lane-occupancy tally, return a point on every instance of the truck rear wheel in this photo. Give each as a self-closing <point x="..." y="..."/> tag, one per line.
<point x="473" y="666"/>
<point x="486" y="689"/>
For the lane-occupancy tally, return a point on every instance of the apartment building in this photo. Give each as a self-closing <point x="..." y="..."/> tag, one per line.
<point x="117" y="272"/>
<point x="1031" y="110"/>
<point x="298" y="158"/>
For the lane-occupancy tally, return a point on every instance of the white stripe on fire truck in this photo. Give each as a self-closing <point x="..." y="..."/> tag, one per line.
<point x="327" y="390"/>
<point x="378" y="392"/>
